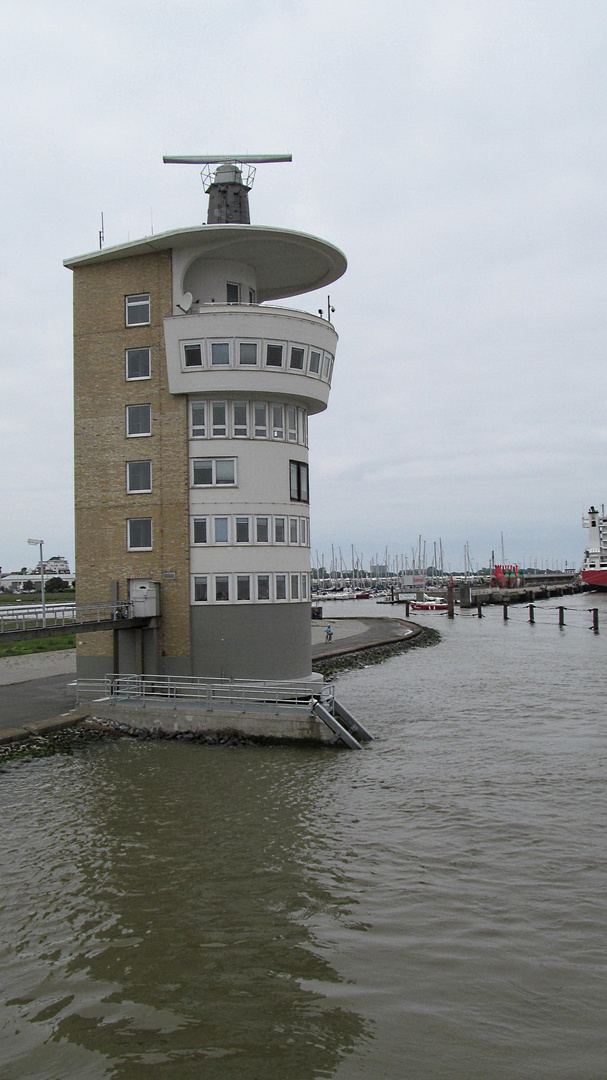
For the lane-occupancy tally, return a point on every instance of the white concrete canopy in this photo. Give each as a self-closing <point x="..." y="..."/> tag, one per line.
<point x="286" y="263"/>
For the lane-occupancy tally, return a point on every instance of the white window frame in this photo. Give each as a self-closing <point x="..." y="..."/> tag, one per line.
<point x="189" y="345"/>
<point x="135" y="490"/>
<point x="279" y="345"/>
<point x="249" y="599"/>
<point x="297" y="345"/>
<point x="304" y="586"/>
<point x="265" y="600"/>
<point x="131" y="547"/>
<point x="294" y="581"/>
<point x="248" y="341"/>
<point x="260" y="405"/>
<point x="200" y="543"/>
<point x="137" y="378"/>
<point x="267" y="518"/>
<point x="136" y="300"/>
<point x="281" y="599"/>
<point x="303" y="531"/>
<point x="279" y="517"/>
<point x="278" y="430"/>
<point x="138" y="434"/>
<point x="291" y="431"/>
<point x="215" y="519"/>
<point x="326" y="366"/>
<point x="204" y="406"/>
<point x="195" y="579"/>
<point x="294" y="528"/>
<point x="239" y="519"/>
<point x="218" y="434"/>
<point x="222" y="577"/>
<point x="239" y="434"/>
<point x="315" y="352"/>
<point x="232" y="483"/>
<point x="220" y="341"/>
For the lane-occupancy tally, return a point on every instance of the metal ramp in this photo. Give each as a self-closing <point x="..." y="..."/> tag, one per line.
<point x="347" y="728"/>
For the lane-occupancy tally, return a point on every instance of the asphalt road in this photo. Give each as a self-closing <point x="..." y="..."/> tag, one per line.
<point x="39" y="699"/>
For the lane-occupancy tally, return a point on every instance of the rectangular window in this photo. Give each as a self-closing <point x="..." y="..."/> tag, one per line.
<point x="262" y="534"/>
<point x="199" y="419"/>
<point x="301" y="427"/>
<point x="294" y="586"/>
<point x="273" y="355"/>
<point x="138" y="476"/>
<point x="220" y="353"/>
<point x="304" y="586"/>
<point x="221" y="530"/>
<point x="232" y="293"/>
<point x="263" y="586"/>
<point x="303" y="531"/>
<point x="222" y="588"/>
<point x="297" y="358"/>
<point x="200" y="590"/>
<point x="242" y="530"/>
<point x="298" y="476"/>
<point x="137" y="364"/>
<point x="293" y="530"/>
<point x="219" y="414"/>
<point x="292" y="423"/>
<point x="326" y="364"/>
<point x="280" y="534"/>
<point x="252" y="296"/>
<point x="261" y="421"/>
<point x="137" y="309"/>
<point x="225" y="471"/>
<point x="200" y="530"/>
<point x="281" y="586"/>
<point x="192" y="355"/>
<point x="314" y="365"/>
<point x="243" y="587"/>
<point x="139" y="534"/>
<point x="240" y="420"/>
<point x="138" y="420"/>
<point x="207" y="472"/>
<point x="278" y="426"/>
<point x="247" y="353"/>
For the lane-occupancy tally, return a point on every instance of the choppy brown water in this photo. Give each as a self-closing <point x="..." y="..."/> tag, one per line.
<point x="432" y="907"/>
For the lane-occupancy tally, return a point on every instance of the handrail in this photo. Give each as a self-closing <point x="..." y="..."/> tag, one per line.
<point x="238" y="694"/>
<point x="32" y="617"/>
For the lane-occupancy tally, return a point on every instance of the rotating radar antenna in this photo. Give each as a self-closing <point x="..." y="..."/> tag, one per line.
<point x="227" y="179"/>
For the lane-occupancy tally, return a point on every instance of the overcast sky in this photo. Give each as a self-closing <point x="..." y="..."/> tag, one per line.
<point x="455" y="150"/>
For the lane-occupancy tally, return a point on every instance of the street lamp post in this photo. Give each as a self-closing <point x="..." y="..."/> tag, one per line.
<point x="40" y="544"/>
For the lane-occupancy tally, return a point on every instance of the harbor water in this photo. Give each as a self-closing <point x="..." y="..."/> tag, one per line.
<point x="433" y="907"/>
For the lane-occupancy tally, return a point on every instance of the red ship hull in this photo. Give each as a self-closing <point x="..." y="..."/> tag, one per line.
<point x="596" y="578"/>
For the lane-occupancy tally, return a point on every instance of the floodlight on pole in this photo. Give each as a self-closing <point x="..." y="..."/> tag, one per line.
<point x="40" y="544"/>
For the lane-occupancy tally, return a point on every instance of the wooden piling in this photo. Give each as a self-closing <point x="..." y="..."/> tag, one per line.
<point x="595" y="619"/>
<point x="561" y="617"/>
<point x="531" y="613"/>
<point x="406" y="609"/>
<point x="505" y="610"/>
<point x="451" y="601"/>
<point x="479" y="611"/>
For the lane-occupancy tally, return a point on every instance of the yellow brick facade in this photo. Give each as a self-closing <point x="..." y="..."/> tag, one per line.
<point x="101" y="394"/>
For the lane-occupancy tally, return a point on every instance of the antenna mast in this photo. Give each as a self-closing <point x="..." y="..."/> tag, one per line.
<point x="229" y="184"/>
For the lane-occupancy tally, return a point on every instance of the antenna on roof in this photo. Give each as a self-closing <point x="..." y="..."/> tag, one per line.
<point x="227" y="187"/>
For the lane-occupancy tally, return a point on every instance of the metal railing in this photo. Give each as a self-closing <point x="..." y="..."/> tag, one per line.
<point x="235" y="694"/>
<point x="31" y="617"/>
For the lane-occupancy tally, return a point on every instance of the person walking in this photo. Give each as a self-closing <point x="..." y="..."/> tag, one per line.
<point x="329" y="633"/>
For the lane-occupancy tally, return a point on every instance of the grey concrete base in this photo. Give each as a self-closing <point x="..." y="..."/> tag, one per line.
<point x="261" y="726"/>
<point x="256" y="642"/>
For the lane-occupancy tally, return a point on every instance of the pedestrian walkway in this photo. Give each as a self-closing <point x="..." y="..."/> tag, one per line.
<point x="353" y="635"/>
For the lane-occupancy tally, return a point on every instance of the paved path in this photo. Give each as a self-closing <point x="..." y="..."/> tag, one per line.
<point x="356" y="634"/>
<point x="34" y="687"/>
